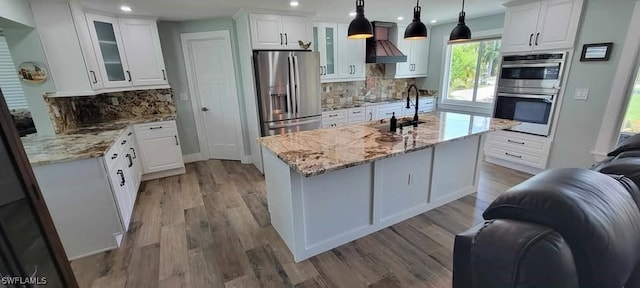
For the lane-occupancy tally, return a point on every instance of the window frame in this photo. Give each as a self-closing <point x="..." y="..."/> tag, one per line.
<point x="459" y="105"/>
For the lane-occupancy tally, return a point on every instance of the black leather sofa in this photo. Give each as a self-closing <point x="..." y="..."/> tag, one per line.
<point x="562" y="228"/>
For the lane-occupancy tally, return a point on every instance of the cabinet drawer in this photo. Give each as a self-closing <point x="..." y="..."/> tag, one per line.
<point x="334" y="123"/>
<point x="356" y="112"/>
<point x="155" y="130"/>
<point x="113" y="155"/>
<point x="537" y="160"/>
<point x="357" y="119"/>
<point x="335" y="115"/>
<point x="519" y="142"/>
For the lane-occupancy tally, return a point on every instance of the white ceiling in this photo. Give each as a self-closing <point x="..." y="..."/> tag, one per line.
<point x="388" y="10"/>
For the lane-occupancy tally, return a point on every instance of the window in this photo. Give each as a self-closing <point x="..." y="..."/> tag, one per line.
<point x="9" y="82"/>
<point x="631" y="122"/>
<point x="471" y="72"/>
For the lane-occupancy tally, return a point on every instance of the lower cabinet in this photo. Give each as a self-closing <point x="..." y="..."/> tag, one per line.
<point x="123" y="191"/>
<point x="159" y="146"/>
<point x="523" y="152"/>
<point x="336" y="118"/>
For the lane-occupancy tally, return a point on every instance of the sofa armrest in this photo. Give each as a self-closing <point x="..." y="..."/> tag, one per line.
<point x="462" y="257"/>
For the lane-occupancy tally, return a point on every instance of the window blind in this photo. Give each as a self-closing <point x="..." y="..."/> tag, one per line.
<point x="9" y="81"/>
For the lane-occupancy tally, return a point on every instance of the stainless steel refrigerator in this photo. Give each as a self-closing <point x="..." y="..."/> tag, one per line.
<point x="288" y="85"/>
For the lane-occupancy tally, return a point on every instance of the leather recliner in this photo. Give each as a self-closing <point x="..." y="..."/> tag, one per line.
<point x="562" y="228"/>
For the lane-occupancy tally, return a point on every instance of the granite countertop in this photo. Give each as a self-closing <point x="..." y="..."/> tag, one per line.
<point x="316" y="152"/>
<point x="355" y="104"/>
<point x="82" y="143"/>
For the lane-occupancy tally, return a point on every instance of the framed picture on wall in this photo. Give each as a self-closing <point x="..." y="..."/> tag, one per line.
<point x="596" y="52"/>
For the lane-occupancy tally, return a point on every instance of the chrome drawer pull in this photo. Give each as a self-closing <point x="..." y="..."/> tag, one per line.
<point x="514" y="156"/>
<point x="516" y="142"/>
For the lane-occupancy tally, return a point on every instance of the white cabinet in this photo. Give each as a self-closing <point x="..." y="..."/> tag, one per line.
<point x="159" y="146"/>
<point x="357" y="115"/>
<point x="325" y="43"/>
<point x="351" y="55"/>
<point x="425" y="105"/>
<point x="417" y="52"/>
<point x="341" y="59"/>
<point x="518" y="148"/>
<point x="541" y="25"/>
<point x="144" y="55"/>
<point x="276" y="32"/>
<point x="90" y="54"/>
<point x="371" y="112"/>
<point x="122" y="192"/>
<point x="335" y="118"/>
<point x="385" y="111"/>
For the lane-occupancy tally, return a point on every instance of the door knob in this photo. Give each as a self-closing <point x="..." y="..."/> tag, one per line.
<point x="205" y="109"/>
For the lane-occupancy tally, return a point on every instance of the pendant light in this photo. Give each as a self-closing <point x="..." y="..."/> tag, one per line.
<point x="416" y="30"/>
<point x="461" y="32"/>
<point x="360" y="27"/>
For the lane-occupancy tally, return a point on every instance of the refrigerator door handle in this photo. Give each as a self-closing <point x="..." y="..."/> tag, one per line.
<point x="292" y="91"/>
<point x="277" y="126"/>
<point x="296" y="68"/>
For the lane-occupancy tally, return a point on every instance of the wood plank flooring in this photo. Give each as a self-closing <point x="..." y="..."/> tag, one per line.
<point x="211" y="228"/>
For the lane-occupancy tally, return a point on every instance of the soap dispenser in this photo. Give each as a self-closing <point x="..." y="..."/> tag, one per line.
<point x="393" y="123"/>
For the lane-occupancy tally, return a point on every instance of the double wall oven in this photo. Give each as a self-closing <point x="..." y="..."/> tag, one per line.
<point x="528" y="90"/>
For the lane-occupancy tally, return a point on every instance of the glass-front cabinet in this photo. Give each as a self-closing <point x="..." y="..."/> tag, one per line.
<point x="108" y="47"/>
<point x="325" y="42"/>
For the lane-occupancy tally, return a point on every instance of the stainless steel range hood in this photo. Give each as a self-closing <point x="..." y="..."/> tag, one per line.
<point x="379" y="48"/>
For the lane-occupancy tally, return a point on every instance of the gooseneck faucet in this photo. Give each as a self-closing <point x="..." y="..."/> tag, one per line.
<point x="415" y="117"/>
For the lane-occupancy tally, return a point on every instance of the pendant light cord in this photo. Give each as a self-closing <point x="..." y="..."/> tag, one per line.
<point x="462" y="5"/>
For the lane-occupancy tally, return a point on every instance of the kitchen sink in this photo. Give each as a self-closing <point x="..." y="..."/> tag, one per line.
<point x="384" y="127"/>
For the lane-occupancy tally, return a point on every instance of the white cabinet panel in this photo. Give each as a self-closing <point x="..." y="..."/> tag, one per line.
<point x="109" y="50"/>
<point x="121" y="192"/>
<point x="144" y="54"/>
<point x="159" y="146"/>
<point x="456" y="164"/>
<point x="402" y="183"/>
<point x="420" y="57"/>
<point x="295" y="29"/>
<point x="557" y="24"/>
<point x="519" y="29"/>
<point x="371" y="112"/>
<point x="352" y="57"/>
<point x="266" y="31"/>
<point x="326" y="44"/>
<point x="417" y="52"/>
<point x="388" y="110"/>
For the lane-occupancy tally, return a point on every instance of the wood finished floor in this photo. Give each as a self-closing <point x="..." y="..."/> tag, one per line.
<point x="211" y="228"/>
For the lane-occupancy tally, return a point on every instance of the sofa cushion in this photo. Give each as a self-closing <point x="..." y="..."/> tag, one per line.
<point x="629" y="144"/>
<point x="593" y="212"/>
<point x="627" y="167"/>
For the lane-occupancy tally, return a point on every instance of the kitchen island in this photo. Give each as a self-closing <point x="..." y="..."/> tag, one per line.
<point x="327" y="187"/>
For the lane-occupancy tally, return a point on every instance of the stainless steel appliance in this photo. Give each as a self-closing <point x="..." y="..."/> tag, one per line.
<point x="528" y="89"/>
<point x="288" y="85"/>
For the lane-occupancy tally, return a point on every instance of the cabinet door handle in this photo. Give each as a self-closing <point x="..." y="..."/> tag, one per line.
<point x="370" y="116"/>
<point x="280" y="39"/>
<point x="129" y="73"/>
<point x="95" y="78"/>
<point x="514" y="156"/>
<point x="114" y="156"/>
<point x="164" y="75"/>
<point x="130" y="160"/>
<point x="154" y="128"/>
<point x="123" y="142"/>
<point x="530" y="39"/>
<point x="286" y="39"/>
<point x="325" y="70"/>
<point x="537" y="36"/>
<point x="516" y="142"/>
<point x="177" y="143"/>
<point x="130" y="133"/>
<point x="122" y="181"/>
<point x="135" y="156"/>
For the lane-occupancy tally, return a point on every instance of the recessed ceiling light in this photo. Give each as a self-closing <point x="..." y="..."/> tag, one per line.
<point x="294" y="3"/>
<point x="400" y="18"/>
<point x="434" y="21"/>
<point x="125" y="8"/>
<point x="352" y="14"/>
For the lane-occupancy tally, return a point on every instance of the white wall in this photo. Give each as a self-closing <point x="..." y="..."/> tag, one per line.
<point x="16" y="11"/>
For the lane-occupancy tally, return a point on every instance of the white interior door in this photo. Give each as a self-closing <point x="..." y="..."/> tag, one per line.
<point x="212" y="84"/>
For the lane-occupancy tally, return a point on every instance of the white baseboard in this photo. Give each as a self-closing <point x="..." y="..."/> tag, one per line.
<point x="246" y="159"/>
<point x="514" y="166"/>
<point x="192" y="158"/>
<point x="163" y="174"/>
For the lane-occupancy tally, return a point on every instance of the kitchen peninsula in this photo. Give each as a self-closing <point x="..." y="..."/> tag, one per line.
<point x="327" y="187"/>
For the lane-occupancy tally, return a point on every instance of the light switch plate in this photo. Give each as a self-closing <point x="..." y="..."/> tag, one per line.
<point x="581" y="94"/>
<point x="184" y="96"/>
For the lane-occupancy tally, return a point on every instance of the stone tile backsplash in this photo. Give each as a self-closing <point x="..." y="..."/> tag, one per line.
<point x="69" y="113"/>
<point x="376" y="88"/>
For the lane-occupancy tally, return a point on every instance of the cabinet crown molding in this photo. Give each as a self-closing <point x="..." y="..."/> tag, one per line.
<point x="244" y="11"/>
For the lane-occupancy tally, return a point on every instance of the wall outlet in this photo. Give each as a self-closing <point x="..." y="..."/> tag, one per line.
<point x="114" y="101"/>
<point x="581" y="94"/>
<point x="184" y="96"/>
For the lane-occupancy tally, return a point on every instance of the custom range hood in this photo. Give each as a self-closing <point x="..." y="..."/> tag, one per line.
<point x="379" y="48"/>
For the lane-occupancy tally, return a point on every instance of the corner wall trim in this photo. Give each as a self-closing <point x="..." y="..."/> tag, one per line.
<point x="246" y="159"/>
<point x="192" y="158"/>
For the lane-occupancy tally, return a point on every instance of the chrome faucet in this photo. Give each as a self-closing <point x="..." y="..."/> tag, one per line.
<point x="415" y="117"/>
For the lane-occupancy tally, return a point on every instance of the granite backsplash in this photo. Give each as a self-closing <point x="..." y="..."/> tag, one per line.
<point x="69" y="113"/>
<point x="376" y="88"/>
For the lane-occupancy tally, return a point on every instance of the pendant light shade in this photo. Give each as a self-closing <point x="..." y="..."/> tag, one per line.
<point x="360" y="27"/>
<point x="416" y="30"/>
<point x="461" y="32"/>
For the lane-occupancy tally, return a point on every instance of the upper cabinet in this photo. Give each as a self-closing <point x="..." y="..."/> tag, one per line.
<point x="341" y="59"/>
<point x="541" y="25"/>
<point x="276" y="32"/>
<point x="417" y="52"/>
<point x="90" y="53"/>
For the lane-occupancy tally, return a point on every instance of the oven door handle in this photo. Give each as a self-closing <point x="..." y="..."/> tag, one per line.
<point x="528" y="96"/>
<point x="531" y="65"/>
